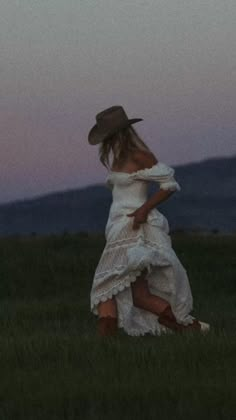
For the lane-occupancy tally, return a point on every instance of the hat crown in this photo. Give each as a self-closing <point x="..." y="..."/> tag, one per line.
<point x="109" y="122"/>
<point x="112" y="117"/>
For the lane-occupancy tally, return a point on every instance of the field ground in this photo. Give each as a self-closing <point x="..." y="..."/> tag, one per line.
<point x="54" y="366"/>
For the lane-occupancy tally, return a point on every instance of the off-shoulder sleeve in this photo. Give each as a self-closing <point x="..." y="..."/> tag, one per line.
<point x="160" y="173"/>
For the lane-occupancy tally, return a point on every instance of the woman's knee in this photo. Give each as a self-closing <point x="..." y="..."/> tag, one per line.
<point x="108" y="308"/>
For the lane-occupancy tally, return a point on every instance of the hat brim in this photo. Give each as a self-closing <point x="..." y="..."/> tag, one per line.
<point x="97" y="134"/>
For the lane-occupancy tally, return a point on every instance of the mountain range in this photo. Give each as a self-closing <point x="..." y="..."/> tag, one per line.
<point x="207" y="201"/>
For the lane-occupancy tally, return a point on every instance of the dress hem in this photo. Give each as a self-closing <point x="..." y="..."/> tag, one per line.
<point x="115" y="290"/>
<point x="130" y="278"/>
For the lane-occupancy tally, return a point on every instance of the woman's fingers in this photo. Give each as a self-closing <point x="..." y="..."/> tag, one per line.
<point x="136" y="224"/>
<point x="138" y="218"/>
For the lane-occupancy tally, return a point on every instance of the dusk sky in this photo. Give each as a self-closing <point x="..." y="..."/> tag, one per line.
<point x="170" y="62"/>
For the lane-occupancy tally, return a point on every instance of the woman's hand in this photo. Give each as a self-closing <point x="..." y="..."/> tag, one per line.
<point x="140" y="216"/>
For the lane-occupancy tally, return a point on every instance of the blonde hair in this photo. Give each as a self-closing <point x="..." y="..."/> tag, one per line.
<point x="124" y="141"/>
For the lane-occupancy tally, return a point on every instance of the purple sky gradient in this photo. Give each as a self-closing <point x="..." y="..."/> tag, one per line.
<point x="171" y="63"/>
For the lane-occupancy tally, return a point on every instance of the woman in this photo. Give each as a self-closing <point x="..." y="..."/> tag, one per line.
<point x="139" y="283"/>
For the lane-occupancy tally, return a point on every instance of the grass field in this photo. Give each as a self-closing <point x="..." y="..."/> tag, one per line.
<point x="53" y="365"/>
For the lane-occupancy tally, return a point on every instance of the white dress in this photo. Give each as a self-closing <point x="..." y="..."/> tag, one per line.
<point x="127" y="252"/>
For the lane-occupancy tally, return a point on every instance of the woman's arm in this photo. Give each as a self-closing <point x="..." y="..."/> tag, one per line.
<point x="140" y="215"/>
<point x="147" y="160"/>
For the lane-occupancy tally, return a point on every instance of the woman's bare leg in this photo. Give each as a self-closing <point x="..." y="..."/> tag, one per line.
<point x="108" y="308"/>
<point x="141" y="297"/>
<point x="144" y="299"/>
<point x="108" y="320"/>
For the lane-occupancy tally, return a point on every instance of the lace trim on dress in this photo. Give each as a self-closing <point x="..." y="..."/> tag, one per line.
<point x="104" y="296"/>
<point x="149" y="259"/>
<point x="154" y="328"/>
<point x="121" y="242"/>
<point x="157" y="330"/>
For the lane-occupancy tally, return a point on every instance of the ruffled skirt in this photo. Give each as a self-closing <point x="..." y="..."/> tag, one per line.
<point x="127" y="252"/>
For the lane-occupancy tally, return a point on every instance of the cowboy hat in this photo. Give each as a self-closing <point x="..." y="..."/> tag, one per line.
<point x="109" y="122"/>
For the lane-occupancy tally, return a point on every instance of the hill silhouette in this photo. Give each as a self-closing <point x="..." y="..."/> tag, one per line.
<point x="207" y="201"/>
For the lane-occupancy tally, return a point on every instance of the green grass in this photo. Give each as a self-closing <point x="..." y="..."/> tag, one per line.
<point x="53" y="364"/>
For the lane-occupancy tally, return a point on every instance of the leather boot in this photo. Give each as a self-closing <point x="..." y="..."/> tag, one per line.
<point x="168" y="319"/>
<point x="107" y="326"/>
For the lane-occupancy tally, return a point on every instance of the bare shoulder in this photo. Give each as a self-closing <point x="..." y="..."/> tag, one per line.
<point x="144" y="159"/>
